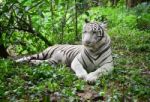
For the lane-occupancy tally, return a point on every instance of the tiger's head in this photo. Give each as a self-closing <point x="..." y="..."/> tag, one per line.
<point x="93" y="34"/>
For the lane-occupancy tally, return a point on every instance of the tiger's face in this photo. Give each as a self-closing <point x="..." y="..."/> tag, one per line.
<point x="93" y="34"/>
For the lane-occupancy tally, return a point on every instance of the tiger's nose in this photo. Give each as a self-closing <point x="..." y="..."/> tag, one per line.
<point x="87" y="42"/>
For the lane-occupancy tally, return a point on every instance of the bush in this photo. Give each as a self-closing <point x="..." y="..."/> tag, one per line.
<point x="143" y="22"/>
<point x="142" y="12"/>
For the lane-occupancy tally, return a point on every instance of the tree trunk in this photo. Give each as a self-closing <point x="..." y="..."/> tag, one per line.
<point x="52" y="15"/>
<point x="3" y="52"/>
<point x="76" y="20"/>
<point x="129" y="3"/>
<point x="132" y="3"/>
<point x="114" y="2"/>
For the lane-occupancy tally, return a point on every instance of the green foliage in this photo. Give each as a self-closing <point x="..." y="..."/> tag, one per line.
<point x="143" y="15"/>
<point x="120" y="16"/>
<point x="130" y="43"/>
<point x="38" y="19"/>
<point x="23" y="80"/>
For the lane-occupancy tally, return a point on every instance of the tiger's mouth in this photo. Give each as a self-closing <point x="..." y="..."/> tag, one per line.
<point x="91" y="45"/>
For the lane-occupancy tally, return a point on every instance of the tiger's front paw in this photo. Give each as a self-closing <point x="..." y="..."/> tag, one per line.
<point x="91" y="78"/>
<point x="81" y="76"/>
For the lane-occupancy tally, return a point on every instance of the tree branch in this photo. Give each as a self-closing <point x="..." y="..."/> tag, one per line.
<point x="29" y="29"/>
<point x="38" y="34"/>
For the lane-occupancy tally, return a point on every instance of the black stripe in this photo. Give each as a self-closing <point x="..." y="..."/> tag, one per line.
<point x="43" y="55"/>
<point x="69" y="49"/>
<point x="64" y="48"/>
<point x="46" y="54"/>
<point x="106" y="63"/>
<point x="75" y="52"/>
<point x="84" y="64"/>
<point x="102" y="52"/>
<point x="33" y="57"/>
<point x="37" y="56"/>
<point x="53" y="51"/>
<point x="71" y="53"/>
<point x="87" y="54"/>
<point x="53" y="61"/>
<point x="50" y="62"/>
<point x="105" y="58"/>
<point x="95" y="26"/>
<point x="29" y="59"/>
<point x="101" y="31"/>
<point x="100" y="38"/>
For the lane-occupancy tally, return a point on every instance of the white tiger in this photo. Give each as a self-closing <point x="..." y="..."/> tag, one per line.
<point x="89" y="61"/>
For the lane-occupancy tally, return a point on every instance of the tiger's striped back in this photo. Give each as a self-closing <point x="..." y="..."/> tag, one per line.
<point x="69" y="52"/>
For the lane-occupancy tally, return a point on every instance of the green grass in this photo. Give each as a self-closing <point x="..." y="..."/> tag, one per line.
<point x="132" y="59"/>
<point x="128" y="82"/>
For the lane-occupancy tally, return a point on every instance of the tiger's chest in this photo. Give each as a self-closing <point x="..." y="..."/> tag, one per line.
<point x="90" y="63"/>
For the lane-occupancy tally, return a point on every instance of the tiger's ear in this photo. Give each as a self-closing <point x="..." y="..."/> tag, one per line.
<point x="87" y="21"/>
<point x="104" y="25"/>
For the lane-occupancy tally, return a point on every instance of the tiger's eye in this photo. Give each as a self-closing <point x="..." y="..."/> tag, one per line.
<point x="84" y="31"/>
<point x="94" y="32"/>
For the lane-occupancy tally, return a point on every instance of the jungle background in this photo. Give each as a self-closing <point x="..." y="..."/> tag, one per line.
<point x="29" y="26"/>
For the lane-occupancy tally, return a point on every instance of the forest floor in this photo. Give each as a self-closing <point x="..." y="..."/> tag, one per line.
<point x="128" y="82"/>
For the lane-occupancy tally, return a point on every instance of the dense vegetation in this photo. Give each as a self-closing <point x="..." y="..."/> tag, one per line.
<point x="28" y="27"/>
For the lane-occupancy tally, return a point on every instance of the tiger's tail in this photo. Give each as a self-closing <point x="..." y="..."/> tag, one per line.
<point x="40" y="56"/>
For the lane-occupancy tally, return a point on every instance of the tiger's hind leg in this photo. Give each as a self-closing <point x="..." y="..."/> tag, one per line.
<point x="37" y="62"/>
<point x="55" y="59"/>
